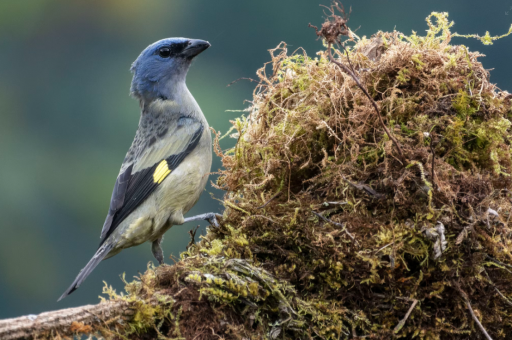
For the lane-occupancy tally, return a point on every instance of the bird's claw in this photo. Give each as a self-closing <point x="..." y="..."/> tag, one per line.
<point x="213" y="220"/>
<point x="210" y="217"/>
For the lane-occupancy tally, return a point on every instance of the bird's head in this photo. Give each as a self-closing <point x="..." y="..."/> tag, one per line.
<point x="163" y="66"/>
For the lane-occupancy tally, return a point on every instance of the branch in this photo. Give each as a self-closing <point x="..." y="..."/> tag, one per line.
<point x="192" y="237"/>
<point x="66" y="322"/>
<point x="334" y="27"/>
<point x="270" y="200"/>
<point x="402" y="322"/>
<point x="473" y="315"/>
<point x="343" y="226"/>
<point x="487" y="336"/>
<point x="374" y="104"/>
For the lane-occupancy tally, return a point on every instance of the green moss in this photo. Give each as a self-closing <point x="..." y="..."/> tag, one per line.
<point x="397" y="232"/>
<point x="464" y="104"/>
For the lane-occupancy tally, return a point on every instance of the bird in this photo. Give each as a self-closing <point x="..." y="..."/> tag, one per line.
<point x="167" y="166"/>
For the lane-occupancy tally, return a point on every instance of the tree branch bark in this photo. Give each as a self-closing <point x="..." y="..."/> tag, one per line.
<point x="66" y="322"/>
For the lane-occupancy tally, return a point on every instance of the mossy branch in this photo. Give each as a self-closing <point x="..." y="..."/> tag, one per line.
<point x="67" y="322"/>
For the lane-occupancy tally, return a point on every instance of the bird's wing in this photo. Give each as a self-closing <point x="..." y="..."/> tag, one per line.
<point x="148" y="162"/>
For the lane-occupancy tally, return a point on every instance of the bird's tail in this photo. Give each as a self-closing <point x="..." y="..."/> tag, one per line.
<point x="101" y="253"/>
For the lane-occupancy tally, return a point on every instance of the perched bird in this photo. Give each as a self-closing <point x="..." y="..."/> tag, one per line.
<point x="167" y="165"/>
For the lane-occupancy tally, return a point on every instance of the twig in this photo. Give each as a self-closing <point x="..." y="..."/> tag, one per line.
<point x="433" y="158"/>
<point x="336" y="224"/>
<point x="497" y="290"/>
<point x="477" y="321"/>
<point x="387" y="245"/>
<point x="348" y="59"/>
<point x="366" y="189"/>
<point x="382" y="296"/>
<point x="402" y="322"/>
<point x="231" y="205"/>
<point x="498" y="262"/>
<point x="335" y="203"/>
<point x="270" y="200"/>
<point x="503" y="296"/>
<point x="192" y="237"/>
<point x="465" y="297"/>
<point x="374" y="104"/>
<point x="331" y="31"/>
<point x="265" y="217"/>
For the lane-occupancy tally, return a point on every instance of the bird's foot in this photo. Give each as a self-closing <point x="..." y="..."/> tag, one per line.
<point x="157" y="251"/>
<point x="210" y="217"/>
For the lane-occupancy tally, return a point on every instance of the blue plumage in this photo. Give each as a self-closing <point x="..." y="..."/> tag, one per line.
<point x="152" y="72"/>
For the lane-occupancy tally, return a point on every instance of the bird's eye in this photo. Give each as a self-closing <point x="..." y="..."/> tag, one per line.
<point x="164" y="52"/>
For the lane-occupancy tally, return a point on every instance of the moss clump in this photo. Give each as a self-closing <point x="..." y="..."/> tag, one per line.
<point x="328" y="233"/>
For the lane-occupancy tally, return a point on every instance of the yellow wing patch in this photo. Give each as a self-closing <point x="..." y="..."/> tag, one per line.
<point x="161" y="171"/>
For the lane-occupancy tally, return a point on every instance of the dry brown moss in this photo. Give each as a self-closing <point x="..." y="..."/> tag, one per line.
<point x="422" y="236"/>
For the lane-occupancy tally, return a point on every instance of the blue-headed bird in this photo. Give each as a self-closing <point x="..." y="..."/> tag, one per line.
<point x="167" y="165"/>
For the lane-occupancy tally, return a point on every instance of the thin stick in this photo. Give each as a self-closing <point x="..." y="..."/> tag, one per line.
<point x="336" y="224"/>
<point x="336" y="203"/>
<point x="265" y="217"/>
<point x="465" y="297"/>
<point x="503" y="296"/>
<point x="270" y="200"/>
<point x="387" y="245"/>
<point x="348" y="58"/>
<point x="331" y="31"/>
<point x="365" y="188"/>
<point x="192" y="237"/>
<point x="374" y="104"/>
<point x="498" y="262"/>
<point x="477" y="321"/>
<point x="402" y="322"/>
<point x="497" y="290"/>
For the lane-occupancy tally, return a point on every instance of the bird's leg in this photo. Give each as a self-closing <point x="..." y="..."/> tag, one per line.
<point x="210" y="217"/>
<point x="157" y="251"/>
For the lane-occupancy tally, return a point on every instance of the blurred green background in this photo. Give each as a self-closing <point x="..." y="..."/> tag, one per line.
<point x="66" y="119"/>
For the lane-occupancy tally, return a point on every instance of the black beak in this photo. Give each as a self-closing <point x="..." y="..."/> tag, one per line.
<point x="195" y="47"/>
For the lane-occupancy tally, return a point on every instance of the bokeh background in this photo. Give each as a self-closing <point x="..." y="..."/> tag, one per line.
<point x="66" y="119"/>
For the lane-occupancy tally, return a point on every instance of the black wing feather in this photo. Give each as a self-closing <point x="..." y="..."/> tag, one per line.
<point x="131" y="190"/>
<point x="118" y="196"/>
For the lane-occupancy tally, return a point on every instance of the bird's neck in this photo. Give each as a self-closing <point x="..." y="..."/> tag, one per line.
<point x="173" y="89"/>
<point x="178" y="99"/>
